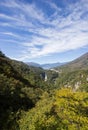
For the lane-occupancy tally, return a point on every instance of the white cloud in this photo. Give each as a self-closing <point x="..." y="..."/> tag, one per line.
<point x="26" y="9"/>
<point x="53" y="34"/>
<point x="9" y="34"/>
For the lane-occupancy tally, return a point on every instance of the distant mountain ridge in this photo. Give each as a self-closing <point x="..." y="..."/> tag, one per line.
<point x="33" y="64"/>
<point x="51" y="65"/>
<point x="79" y="63"/>
<point x="45" y="66"/>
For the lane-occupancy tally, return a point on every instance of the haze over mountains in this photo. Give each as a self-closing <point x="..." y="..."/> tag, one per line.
<point x="45" y="66"/>
<point x="33" y="64"/>
<point x="51" y="65"/>
<point x="79" y="63"/>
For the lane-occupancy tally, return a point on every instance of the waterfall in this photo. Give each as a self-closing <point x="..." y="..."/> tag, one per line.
<point x="45" y="77"/>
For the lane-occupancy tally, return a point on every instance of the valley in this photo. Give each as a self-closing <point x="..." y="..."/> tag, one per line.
<point x="33" y="98"/>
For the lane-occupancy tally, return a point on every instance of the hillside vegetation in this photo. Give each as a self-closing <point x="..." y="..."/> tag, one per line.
<point x="66" y="110"/>
<point x="29" y="102"/>
<point x="74" y="74"/>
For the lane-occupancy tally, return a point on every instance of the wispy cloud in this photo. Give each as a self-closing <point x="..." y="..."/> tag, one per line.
<point x="44" y="35"/>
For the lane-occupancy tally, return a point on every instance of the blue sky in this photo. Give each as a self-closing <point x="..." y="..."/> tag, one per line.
<point x="44" y="31"/>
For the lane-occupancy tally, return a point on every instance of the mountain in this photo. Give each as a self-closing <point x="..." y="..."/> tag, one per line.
<point x="80" y="63"/>
<point x="30" y="99"/>
<point x="74" y="74"/>
<point x="45" y="66"/>
<point x="18" y="72"/>
<point x="21" y="86"/>
<point x="51" y="65"/>
<point x="15" y="90"/>
<point x="33" y="64"/>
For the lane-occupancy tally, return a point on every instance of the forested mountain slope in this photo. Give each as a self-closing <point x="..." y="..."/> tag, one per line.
<point x="17" y="88"/>
<point x="29" y="102"/>
<point x="74" y="74"/>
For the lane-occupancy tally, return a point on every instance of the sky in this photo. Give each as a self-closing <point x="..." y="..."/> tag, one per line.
<point x="44" y="31"/>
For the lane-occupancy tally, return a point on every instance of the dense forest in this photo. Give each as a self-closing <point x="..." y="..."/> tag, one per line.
<point x="28" y="101"/>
